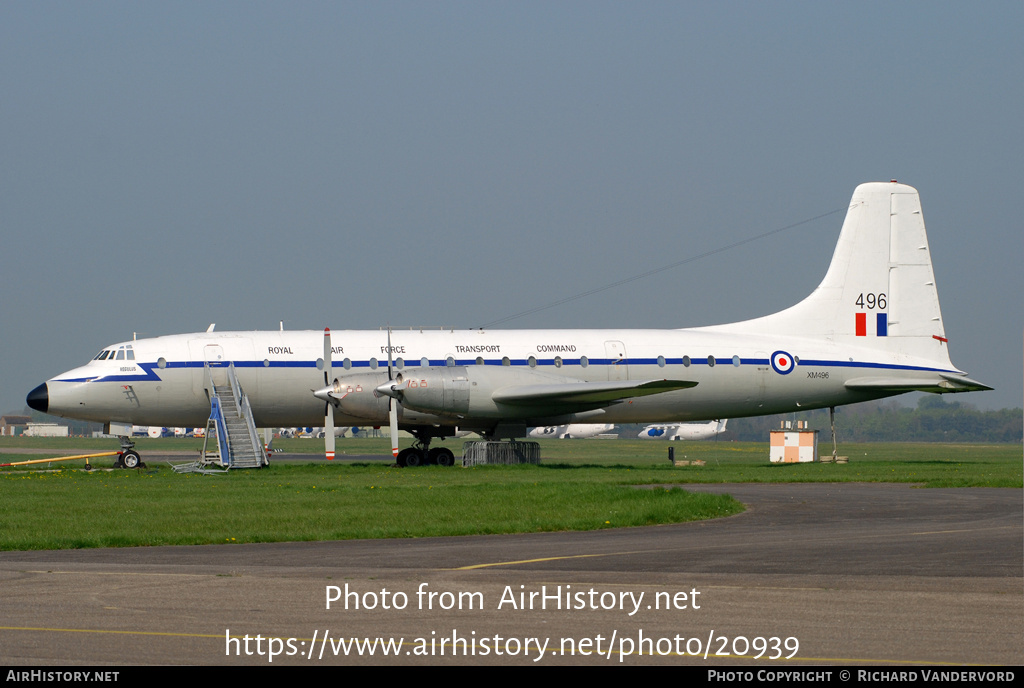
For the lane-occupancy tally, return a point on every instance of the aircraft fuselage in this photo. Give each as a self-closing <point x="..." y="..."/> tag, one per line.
<point x="735" y="374"/>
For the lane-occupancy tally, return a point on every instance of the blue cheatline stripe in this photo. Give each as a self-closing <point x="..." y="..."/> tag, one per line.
<point x="883" y="324"/>
<point x="152" y="371"/>
<point x="876" y="366"/>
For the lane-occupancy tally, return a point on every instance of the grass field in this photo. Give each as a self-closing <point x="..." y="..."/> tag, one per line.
<point x="581" y="485"/>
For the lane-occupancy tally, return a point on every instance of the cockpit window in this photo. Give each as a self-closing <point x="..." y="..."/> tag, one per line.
<point x="122" y="353"/>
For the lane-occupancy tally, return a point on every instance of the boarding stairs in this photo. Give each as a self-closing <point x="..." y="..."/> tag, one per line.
<point x="231" y="438"/>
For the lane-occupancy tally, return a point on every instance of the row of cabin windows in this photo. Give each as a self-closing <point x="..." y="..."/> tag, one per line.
<point x="122" y="353"/>
<point x="531" y="361"/>
<point x="450" y="362"/>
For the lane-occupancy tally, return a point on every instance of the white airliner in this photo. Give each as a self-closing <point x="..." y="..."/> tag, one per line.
<point x="871" y="329"/>
<point x="683" y="431"/>
<point x="571" y="431"/>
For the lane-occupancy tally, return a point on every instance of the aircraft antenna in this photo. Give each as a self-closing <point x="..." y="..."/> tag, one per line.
<point x="655" y="271"/>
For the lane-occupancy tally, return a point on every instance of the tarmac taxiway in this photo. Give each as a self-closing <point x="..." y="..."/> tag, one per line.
<point x="856" y="573"/>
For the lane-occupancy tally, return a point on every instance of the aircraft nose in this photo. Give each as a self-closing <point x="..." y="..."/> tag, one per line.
<point x="39" y="398"/>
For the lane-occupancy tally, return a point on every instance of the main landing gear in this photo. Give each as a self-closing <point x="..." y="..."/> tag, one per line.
<point x="420" y="453"/>
<point x="128" y="457"/>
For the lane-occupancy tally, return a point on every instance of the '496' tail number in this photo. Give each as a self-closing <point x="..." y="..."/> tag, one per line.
<point x="871" y="301"/>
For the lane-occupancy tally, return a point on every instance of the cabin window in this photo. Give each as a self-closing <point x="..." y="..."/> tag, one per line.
<point x="736" y="361"/>
<point x="686" y="361"/>
<point x="424" y="362"/>
<point x="346" y="364"/>
<point x="711" y="361"/>
<point x="584" y="362"/>
<point x="373" y="364"/>
<point x="450" y="362"/>
<point x="479" y="360"/>
<point x="266" y="362"/>
<point x="161" y="362"/>
<point x="661" y="361"/>
<point x="558" y="361"/>
<point x="505" y="361"/>
<point x="532" y="360"/>
<point x="320" y="364"/>
<point x="399" y="363"/>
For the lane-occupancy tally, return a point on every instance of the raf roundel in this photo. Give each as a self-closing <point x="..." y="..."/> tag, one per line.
<point x="782" y="362"/>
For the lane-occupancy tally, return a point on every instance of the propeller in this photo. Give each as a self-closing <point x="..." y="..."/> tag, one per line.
<point x="328" y="406"/>
<point x="392" y="409"/>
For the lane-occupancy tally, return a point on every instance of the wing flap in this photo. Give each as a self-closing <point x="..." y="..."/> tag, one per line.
<point x="588" y="393"/>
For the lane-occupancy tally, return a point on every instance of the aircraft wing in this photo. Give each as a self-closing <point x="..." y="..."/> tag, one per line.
<point x="590" y="393"/>
<point x="941" y="383"/>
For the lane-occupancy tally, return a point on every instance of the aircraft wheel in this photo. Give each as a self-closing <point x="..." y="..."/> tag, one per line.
<point x="442" y="456"/>
<point x="413" y="457"/>
<point x="130" y="459"/>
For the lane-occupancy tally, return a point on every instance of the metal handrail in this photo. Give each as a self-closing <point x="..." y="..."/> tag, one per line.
<point x="254" y="436"/>
<point x="244" y="409"/>
<point x="235" y="389"/>
<point x="223" y="440"/>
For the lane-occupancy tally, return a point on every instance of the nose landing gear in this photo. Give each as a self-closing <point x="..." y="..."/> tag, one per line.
<point x="128" y="457"/>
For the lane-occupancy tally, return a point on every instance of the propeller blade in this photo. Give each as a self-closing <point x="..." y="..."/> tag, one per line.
<point x="329" y="432"/>
<point x="328" y="406"/>
<point x="390" y="376"/>
<point x="392" y="408"/>
<point x="393" y="418"/>
<point x="327" y="356"/>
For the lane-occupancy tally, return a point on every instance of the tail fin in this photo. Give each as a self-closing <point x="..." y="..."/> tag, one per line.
<point x="879" y="292"/>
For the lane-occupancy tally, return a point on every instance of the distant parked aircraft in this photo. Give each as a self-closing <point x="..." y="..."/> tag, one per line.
<point x="571" y="431"/>
<point x="684" y="431"/>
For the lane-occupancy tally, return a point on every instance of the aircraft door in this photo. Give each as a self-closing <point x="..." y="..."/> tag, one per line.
<point x="201" y="352"/>
<point x="615" y="352"/>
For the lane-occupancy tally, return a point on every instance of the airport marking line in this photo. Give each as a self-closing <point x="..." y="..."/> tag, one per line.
<point x="533" y="561"/>
<point x="719" y="546"/>
<point x="107" y="632"/>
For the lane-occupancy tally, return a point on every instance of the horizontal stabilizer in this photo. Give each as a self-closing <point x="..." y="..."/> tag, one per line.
<point x="940" y="384"/>
<point x="585" y="392"/>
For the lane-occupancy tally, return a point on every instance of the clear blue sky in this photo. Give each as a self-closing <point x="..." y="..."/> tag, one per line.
<point x="169" y="165"/>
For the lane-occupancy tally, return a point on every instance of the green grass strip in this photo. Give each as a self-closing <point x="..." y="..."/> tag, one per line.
<point x="75" y="509"/>
<point x="581" y="485"/>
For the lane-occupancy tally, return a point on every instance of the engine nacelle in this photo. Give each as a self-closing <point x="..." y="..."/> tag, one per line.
<point x="459" y="391"/>
<point x="356" y="397"/>
<point x="441" y="391"/>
